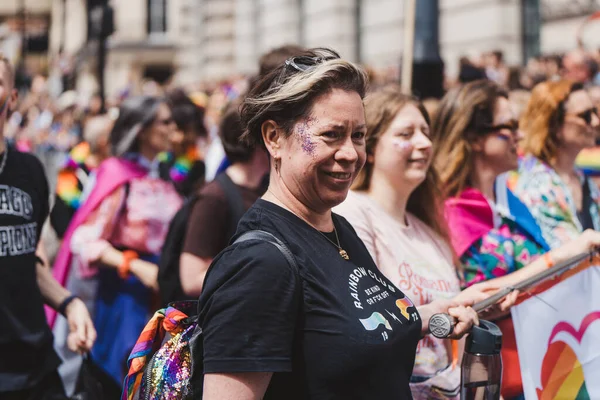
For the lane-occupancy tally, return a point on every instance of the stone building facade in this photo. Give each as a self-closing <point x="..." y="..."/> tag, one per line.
<point x="32" y="17"/>
<point x="206" y="40"/>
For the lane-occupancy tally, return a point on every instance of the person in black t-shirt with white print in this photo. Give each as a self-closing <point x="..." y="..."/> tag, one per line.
<point x="28" y="363"/>
<point x="334" y="328"/>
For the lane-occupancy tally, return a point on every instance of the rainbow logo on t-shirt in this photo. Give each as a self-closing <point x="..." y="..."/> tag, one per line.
<point x="374" y="321"/>
<point x="403" y="305"/>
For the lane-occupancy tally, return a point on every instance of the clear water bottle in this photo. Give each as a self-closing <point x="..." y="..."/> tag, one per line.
<point x="481" y="371"/>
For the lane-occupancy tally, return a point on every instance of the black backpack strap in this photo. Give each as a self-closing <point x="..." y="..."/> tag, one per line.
<point x="270" y="238"/>
<point x="234" y="199"/>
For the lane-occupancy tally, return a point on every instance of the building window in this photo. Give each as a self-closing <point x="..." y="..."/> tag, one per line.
<point x="157" y="16"/>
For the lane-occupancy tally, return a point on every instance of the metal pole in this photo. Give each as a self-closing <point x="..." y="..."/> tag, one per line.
<point x="530" y="28"/>
<point x="101" y="65"/>
<point x="63" y="35"/>
<point x="428" y="67"/>
<point x="105" y="15"/>
<point x="358" y="30"/>
<point x="443" y="324"/>
<point x="23" y="33"/>
<point x="409" y="44"/>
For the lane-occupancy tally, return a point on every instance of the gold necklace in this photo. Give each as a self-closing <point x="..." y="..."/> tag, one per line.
<point x="343" y="253"/>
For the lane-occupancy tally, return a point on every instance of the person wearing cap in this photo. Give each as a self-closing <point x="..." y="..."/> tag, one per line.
<point x="109" y="252"/>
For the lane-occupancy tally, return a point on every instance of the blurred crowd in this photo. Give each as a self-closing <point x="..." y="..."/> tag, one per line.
<point x="50" y="127"/>
<point x="126" y="175"/>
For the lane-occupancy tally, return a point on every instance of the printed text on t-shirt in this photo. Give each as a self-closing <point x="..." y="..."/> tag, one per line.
<point x="14" y="201"/>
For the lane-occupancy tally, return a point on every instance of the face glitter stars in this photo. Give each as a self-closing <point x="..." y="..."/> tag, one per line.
<point x="403" y="146"/>
<point x="303" y="133"/>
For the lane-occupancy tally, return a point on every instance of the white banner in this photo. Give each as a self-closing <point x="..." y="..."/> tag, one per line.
<point x="558" y="339"/>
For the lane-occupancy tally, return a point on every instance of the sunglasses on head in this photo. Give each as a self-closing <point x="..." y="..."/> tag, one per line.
<point x="588" y="114"/>
<point x="304" y="63"/>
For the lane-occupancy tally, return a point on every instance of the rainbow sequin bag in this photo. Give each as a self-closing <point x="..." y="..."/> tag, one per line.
<point x="160" y="364"/>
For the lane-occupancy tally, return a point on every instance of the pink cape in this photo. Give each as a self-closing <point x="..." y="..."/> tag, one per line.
<point x="111" y="174"/>
<point x="469" y="217"/>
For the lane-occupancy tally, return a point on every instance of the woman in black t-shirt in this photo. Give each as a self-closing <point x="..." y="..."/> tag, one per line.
<point x="334" y="327"/>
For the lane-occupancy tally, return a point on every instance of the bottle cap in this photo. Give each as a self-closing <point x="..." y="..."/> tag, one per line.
<point x="484" y="339"/>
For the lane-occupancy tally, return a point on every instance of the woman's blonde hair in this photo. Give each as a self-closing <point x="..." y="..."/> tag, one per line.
<point x="543" y="117"/>
<point x="381" y="108"/>
<point x="463" y="113"/>
<point x="287" y="93"/>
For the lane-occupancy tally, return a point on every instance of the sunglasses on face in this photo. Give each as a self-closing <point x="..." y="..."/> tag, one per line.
<point x="588" y="114"/>
<point x="512" y="126"/>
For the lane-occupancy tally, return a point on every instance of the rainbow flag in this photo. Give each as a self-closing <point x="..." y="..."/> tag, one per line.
<point x="374" y="321"/>
<point x="403" y="305"/>
<point x="562" y="374"/>
<point x="589" y="161"/>
<point x="557" y="333"/>
<point x="67" y="185"/>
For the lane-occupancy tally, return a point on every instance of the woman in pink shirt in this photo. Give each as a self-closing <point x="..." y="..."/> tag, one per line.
<point x="394" y="209"/>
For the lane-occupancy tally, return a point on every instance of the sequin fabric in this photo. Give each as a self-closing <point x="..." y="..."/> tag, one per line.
<point x="160" y="363"/>
<point x="170" y="369"/>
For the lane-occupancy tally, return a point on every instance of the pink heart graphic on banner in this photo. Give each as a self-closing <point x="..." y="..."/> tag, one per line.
<point x="562" y="374"/>
<point x="564" y="326"/>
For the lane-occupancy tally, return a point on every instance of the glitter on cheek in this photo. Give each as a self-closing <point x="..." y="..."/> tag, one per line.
<point x="303" y="133"/>
<point x="403" y="146"/>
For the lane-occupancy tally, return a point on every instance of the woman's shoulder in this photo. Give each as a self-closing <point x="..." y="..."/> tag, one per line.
<point x="257" y="256"/>
<point x="534" y="176"/>
<point x="533" y="167"/>
<point x="261" y="251"/>
<point x="358" y="205"/>
<point x="24" y="159"/>
<point x="416" y="225"/>
<point x="212" y="189"/>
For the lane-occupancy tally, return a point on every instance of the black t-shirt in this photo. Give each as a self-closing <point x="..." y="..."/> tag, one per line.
<point x="334" y="329"/>
<point x="26" y="352"/>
